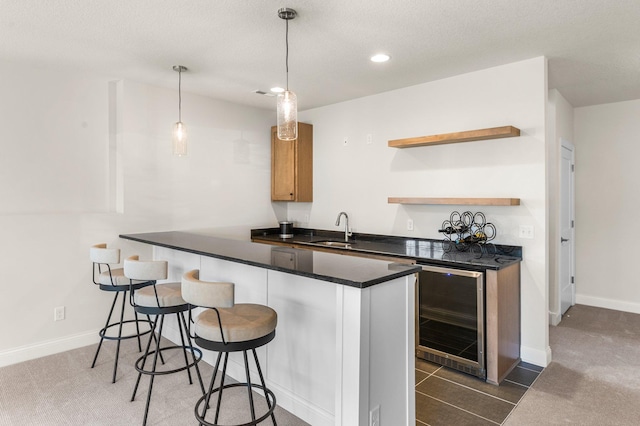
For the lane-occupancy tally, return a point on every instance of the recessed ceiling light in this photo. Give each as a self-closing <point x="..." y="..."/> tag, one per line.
<point x="277" y="89"/>
<point x="380" y="57"/>
<point x="262" y="92"/>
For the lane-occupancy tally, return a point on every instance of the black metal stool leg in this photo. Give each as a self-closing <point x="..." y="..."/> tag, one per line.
<point x="213" y="379"/>
<point x="153" y="335"/>
<point x="115" y="366"/>
<point x="155" y="363"/>
<point x="193" y="354"/>
<point x="224" y="373"/>
<point x="135" y="313"/>
<point x="264" y="386"/>
<point x="146" y="354"/>
<point x="104" y="330"/>
<point x="184" y="348"/>
<point x="246" y="370"/>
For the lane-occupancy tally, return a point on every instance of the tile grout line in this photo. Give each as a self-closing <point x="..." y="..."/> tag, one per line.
<point x="522" y="397"/>
<point x="479" y="391"/>
<point x="529" y="369"/>
<point x="519" y="384"/>
<point x="514" y="405"/>
<point x="459" y="408"/>
<point x="428" y="375"/>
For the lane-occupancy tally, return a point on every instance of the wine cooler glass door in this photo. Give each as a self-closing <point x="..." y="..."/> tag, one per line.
<point x="450" y="318"/>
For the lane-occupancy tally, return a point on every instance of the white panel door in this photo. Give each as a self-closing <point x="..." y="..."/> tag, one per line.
<point x="567" y="244"/>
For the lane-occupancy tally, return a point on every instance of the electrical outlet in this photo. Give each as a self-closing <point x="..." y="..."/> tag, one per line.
<point x="369" y="139"/>
<point x="526" y="231"/>
<point x="409" y="224"/>
<point x="58" y="313"/>
<point x="374" y="416"/>
<point x="306" y="218"/>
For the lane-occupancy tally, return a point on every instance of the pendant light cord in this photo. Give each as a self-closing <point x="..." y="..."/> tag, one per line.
<point x="180" y="95"/>
<point x="287" y="50"/>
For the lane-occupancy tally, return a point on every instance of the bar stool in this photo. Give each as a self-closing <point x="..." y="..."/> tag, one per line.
<point x="113" y="280"/>
<point x="228" y="327"/>
<point x="160" y="300"/>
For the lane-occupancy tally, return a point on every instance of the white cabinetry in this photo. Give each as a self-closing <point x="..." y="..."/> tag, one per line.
<point x="339" y="351"/>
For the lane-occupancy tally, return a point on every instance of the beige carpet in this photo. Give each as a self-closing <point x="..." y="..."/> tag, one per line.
<point x="594" y="378"/>
<point x="62" y="389"/>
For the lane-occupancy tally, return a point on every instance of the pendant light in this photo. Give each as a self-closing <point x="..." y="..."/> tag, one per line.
<point x="179" y="129"/>
<point x="287" y="105"/>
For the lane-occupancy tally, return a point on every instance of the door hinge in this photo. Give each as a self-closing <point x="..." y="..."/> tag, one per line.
<point x="572" y="224"/>
<point x="573" y="167"/>
<point x="573" y="280"/>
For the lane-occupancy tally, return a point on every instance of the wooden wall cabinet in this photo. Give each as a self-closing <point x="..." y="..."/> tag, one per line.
<point x="292" y="166"/>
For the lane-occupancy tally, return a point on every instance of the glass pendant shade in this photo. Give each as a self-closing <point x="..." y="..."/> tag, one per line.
<point x="179" y="139"/>
<point x="287" y="107"/>
<point x="179" y="134"/>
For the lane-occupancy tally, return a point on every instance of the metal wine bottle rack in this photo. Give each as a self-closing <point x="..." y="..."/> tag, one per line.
<point x="469" y="232"/>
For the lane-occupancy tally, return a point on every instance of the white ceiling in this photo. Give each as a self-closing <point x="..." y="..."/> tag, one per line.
<point x="233" y="47"/>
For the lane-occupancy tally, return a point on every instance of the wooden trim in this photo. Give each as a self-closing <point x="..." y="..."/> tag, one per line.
<point x="304" y="163"/>
<point x="503" y="321"/>
<point x="456" y="201"/>
<point x="466" y="136"/>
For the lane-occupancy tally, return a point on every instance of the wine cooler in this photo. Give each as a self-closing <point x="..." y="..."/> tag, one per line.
<point x="450" y="318"/>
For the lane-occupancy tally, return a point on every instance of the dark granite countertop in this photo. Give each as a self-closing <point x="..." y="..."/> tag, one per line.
<point x="423" y="251"/>
<point x="347" y="270"/>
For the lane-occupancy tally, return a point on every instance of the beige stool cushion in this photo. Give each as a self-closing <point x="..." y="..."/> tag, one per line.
<point x="168" y="295"/>
<point x="118" y="278"/>
<point x="206" y="293"/>
<point x="241" y="323"/>
<point x="99" y="253"/>
<point x="149" y="270"/>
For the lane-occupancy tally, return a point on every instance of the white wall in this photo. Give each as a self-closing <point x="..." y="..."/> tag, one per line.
<point x="84" y="160"/>
<point x="359" y="177"/>
<point x="607" y="204"/>
<point x="107" y="174"/>
<point x="560" y="126"/>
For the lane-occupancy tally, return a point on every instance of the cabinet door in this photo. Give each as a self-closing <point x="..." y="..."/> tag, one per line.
<point x="282" y="168"/>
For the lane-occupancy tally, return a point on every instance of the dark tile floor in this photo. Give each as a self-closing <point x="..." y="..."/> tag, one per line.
<point x="447" y="397"/>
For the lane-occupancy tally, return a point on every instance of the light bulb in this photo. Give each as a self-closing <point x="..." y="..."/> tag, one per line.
<point x="287" y="116"/>
<point x="179" y="139"/>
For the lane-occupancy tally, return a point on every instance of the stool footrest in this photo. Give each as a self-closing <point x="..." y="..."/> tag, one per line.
<point x="271" y="398"/>
<point x="103" y="331"/>
<point x="140" y="361"/>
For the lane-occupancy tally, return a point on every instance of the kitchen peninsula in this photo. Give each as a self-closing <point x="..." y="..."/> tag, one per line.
<point x="345" y="335"/>
<point x="488" y="307"/>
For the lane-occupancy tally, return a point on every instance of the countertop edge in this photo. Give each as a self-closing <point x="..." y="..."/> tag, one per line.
<point x="323" y="277"/>
<point x="270" y="236"/>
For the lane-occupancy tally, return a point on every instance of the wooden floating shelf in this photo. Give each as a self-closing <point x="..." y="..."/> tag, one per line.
<point x="456" y="201"/>
<point x="466" y="136"/>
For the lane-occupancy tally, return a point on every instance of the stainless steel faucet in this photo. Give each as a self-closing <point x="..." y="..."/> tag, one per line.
<point x="347" y="233"/>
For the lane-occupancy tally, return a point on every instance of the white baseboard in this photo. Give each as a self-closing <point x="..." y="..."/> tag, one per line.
<point x="600" y="302"/>
<point x="554" y="318"/>
<point x="49" y="347"/>
<point x="535" y="356"/>
<point x="301" y="408"/>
